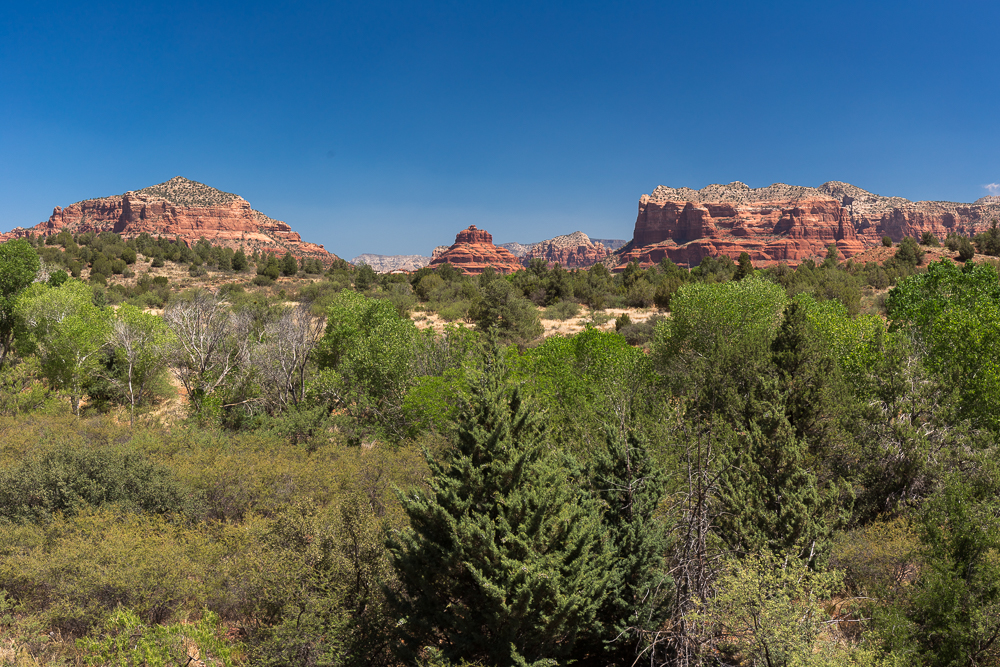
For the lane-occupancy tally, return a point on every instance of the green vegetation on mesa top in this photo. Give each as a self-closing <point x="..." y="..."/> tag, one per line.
<point x="181" y="191"/>
<point x="787" y="467"/>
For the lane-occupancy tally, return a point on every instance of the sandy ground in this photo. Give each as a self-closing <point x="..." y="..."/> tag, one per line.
<point x="427" y="320"/>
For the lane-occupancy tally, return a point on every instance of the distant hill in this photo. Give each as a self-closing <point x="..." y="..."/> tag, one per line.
<point x="390" y="263"/>
<point x="179" y="208"/>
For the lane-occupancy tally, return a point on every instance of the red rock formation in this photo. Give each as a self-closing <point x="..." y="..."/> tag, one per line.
<point x="179" y="208"/>
<point x="572" y="251"/>
<point x="473" y="251"/>
<point x="783" y="223"/>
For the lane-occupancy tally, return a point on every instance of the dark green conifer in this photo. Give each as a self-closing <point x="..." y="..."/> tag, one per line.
<point x="239" y="260"/>
<point x="505" y="561"/>
<point x="289" y="267"/>
<point x="630" y="487"/>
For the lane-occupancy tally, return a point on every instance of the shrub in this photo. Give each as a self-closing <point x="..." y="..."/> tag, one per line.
<point x="98" y="278"/>
<point x="622" y="321"/>
<point x="640" y="294"/>
<point x="65" y="481"/>
<point x="928" y="239"/>
<point x="966" y="250"/>
<point x="887" y="241"/>
<point x="118" y="266"/>
<point x="262" y="281"/>
<point x="562" y="310"/>
<point x="910" y="253"/>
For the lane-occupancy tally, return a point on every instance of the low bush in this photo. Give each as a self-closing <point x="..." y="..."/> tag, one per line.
<point x="563" y="310"/>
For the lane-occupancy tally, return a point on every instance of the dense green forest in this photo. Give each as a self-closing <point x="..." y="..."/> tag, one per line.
<point x="782" y="467"/>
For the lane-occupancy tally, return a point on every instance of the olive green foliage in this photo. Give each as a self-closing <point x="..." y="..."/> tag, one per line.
<point x="66" y="481"/>
<point x="988" y="242"/>
<point x="504" y="560"/>
<point x="909" y="252"/>
<point x="769" y="611"/>
<point x="779" y="475"/>
<point x="955" y="609"/>
<point x="502" y="310"/>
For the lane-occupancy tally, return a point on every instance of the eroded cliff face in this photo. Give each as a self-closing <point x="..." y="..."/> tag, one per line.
<point x="180" y="208"/>
<point x="473" y="251"/>
<point x="785" y="223"/>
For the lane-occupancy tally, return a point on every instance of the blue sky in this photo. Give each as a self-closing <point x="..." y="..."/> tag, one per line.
<point x="386" y="127"/>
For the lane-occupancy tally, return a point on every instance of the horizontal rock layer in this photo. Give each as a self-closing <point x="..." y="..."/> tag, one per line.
<point x="179" y="208"/>
<point x="785" y="223"/>
<point x="473" y="251"/>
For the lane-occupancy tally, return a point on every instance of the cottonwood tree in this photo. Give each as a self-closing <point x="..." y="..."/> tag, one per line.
<point x="68" y="331"/>
<point x="212" y="345"/>
<point x="18" y="265"/>
<point x="282" y="359"/>
<point x="141" y="341"/>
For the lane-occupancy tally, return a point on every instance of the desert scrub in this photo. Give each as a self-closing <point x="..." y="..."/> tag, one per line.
<point x="563" y="310"/>
<point x="126" y="640"/>
<point x="73" y="572"/>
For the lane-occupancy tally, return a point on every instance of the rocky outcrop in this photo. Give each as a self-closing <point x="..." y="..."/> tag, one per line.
<point x="611" y="244"/>
<point x="473" y="251"/>
<point x="875" y="216"/>
<point x="572" y="251"/>
<point x="180" y="208"/>
<point x="519" y="250"/>
<point x="784" y="223"/>
<point x="392" y="263"/>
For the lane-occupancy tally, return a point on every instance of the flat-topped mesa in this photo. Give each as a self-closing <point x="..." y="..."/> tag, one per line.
<point x="571" y="251"/>
<point x="473" y="251"/>
<point x="179" y="208"/>
<point x="785" y="223"/>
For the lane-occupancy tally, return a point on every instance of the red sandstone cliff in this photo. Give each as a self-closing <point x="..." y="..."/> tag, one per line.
<point x="179" y="208"/>
<point x="784" y="223"/>
<point x="473" y="251"/>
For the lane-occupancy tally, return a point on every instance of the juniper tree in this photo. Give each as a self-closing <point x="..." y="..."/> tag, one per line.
<point x="504" y="562"/>
<point x="630" y="487"/>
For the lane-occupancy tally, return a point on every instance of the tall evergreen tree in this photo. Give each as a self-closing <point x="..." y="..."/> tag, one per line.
<point x="630" y="487"/>
<point x="289" y="267"/>
<point x="770" y="497"/>
<point x="505" y="561"/>
<point x="240" y="260"/>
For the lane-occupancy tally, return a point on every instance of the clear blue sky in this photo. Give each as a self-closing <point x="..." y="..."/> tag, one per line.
<point x="386" y="127"/>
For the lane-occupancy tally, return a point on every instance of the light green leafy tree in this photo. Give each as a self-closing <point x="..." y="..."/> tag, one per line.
<point x="18" y="265"/>
<point x="768" y="612"/>
<point x="142" y="341"/>
<point x="68" y="331"/>
<point x="717" y="343"/>
<point x="365" y="359"/>
<point x="953" y="314"/>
